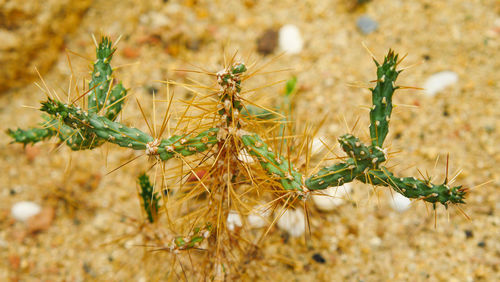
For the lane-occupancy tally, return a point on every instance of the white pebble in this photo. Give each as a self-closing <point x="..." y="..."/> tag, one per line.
<point x="439" y="81"/>
<point x="290" y="39"/>
<point x="22" y="211"/>
<point x="375" y="241"/>
<point x="245" y="157"/>
<point x="258" y="217"/>
<point x="399" y="202"/>
<point x="233" y="220"/>
<point x="293" y="222"/>
<point x="331" y="197"/>
<point x="316" y="145"/>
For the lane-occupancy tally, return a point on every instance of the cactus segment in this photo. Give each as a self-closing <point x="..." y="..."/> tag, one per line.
<point x="117" y="133"/>
<point x="150" y="198"/>
<point x="381" y="109"/>
<point x="275" y="165"/>
<point x="414" y="188"/>
<point x="35" y="134"/>
<point x="186" y="145"/>
<point x="102" y="127"/>
<point x="101" y="76"/>
<point x="99" y="96"/>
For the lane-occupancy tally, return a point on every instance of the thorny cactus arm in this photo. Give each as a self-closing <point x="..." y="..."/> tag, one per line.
<point x="100" y="95"/>
<point x="35" y="134"/>
<point x="274" y="164"/>
<point x="381" y="109"/>
<point x="414" y="188"/>
<point x="117" y="133"/>
<point x="364" y="162"/>
<point x="150" y="199"/>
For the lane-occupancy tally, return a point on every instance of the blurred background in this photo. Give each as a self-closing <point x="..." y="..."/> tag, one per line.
<point x="88" y="221"/>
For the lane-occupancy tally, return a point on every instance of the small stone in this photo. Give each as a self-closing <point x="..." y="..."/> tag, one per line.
<point x="14" y="262"/>
<point x="130" y="52"/>
<point x="31" y="152"/>
<point x="317" y="257"/>
<point x="198" y="174"/>
<point x="481" y="244"/>
<point x="469" y="234"/>
<point x="366" y="24"/>
<point x="152" y="90"/>
<point x="233" y="220"/>
<point x="375" y="242"/>
<point x="245" y="157"/>
<point x="439" y="81"/>
<point x="290" y="39"/>
<point x="399" y="202"/>
<point x="10" y="39"/>
<point x="293" y="222"/>
<point x="332" y="197"/>
<point x="267" y="42"/>
<point x="41" y="221"/>
<point x="22" y="211"/>
<point x="316" y="145"/>
<point x="258" y="217"/>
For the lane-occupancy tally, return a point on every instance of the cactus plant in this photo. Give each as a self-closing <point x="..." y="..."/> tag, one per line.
<point x="227" y="129"/>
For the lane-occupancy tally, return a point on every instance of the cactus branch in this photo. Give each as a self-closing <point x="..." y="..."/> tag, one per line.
<point x="381" y="109"/>
<point x="274" y="164"/>
<point x="150" y="198"/>
<point x="124" y="136"/>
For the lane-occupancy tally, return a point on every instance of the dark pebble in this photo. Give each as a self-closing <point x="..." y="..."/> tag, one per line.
<point x="481" y="244"/>
<point x="152" y="89"/>
<point x="317" y="257"/>
<point x="267" y="42"/>
<point x="469" y="234"/>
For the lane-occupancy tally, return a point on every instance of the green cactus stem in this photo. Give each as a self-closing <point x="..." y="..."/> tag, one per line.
<point x="133" y="138"/>
<point x="380" y="113"/>
<point x="274" y="164"/>
<point x="414" y="188"/>
<point x="99" y="96"/>
<point x="150" y="198"/>
<point x="35" y="134"/>
<point x="364" y="162"/>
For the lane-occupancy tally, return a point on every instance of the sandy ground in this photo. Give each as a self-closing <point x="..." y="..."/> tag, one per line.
<point x="92" y="236"/>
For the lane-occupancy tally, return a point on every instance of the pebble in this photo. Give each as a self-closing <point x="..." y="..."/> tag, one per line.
<point x="267" y="42"/>
<point x="233" y="220"/>
<point x="290" y="39"/>
<point x="316" y="145"/>
<point x="468" y="234"/>
<point x="439" y="81"/>
<point x="22" y="211"/>
<point x="317" y="257"/>
<point x="331" y="197"/>
<point x="10" y="39"/>
<point x="366" y="24"/>
<point x="293" y="222"/>
<point x="399" y="202"/>
<point x="130" y="52"/>
<point x="375" y="242"/>
<point x="245" y="157"/>
<point x="41" y="221"/>
<point x="258" y="217"/>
